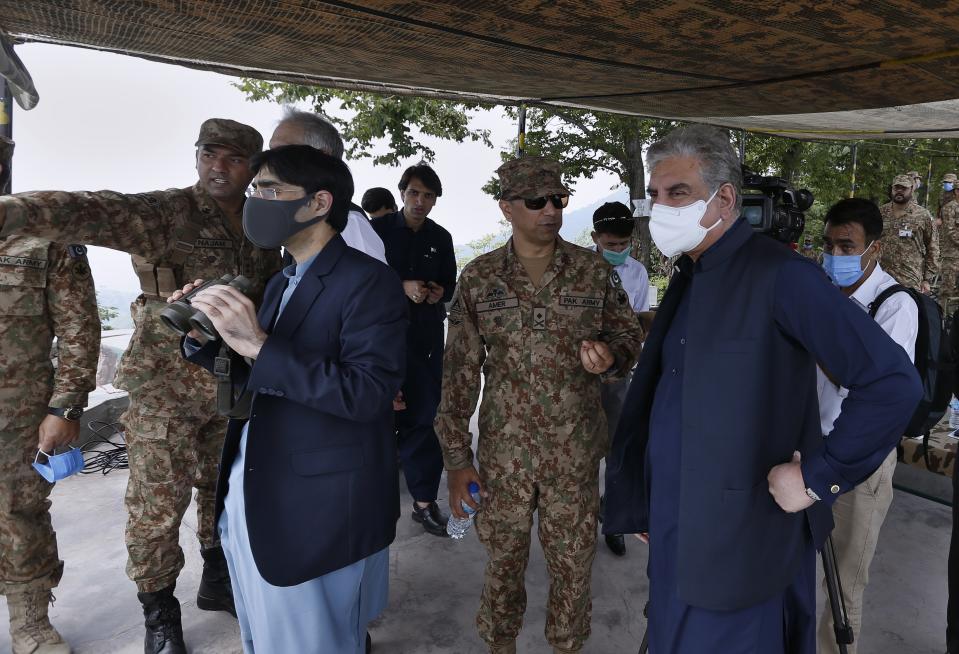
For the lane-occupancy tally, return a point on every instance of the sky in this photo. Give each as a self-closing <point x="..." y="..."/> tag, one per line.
<point x="108" y="121"/>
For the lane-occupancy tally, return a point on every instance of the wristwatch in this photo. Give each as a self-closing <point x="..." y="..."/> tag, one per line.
<point x="71" y="413"/>
<point x="812" y="495"/>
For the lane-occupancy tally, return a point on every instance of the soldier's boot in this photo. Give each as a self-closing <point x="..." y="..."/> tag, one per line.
<point x="216" y="591"/>
<point x="30" y="628"/>
<point x="164" y="632"/>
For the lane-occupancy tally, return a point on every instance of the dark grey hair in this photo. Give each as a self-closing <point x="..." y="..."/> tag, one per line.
<point x="718" y="161"/>
<point x="317" y="131"/>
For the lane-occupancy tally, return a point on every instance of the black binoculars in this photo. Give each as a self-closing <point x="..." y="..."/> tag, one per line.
<point x="181" y="316"/>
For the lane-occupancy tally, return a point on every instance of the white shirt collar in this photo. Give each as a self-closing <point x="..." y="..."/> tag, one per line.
<point x="875" y="284"/>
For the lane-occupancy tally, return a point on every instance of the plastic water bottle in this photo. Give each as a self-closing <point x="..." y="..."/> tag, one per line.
<point x="457" y="527"/>
<point x="954" y="413"/>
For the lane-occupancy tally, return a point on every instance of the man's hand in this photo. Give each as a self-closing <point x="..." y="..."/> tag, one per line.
<point x="176" y="295"/>
<point x="643" y="536"/>
<point x="415" y="290"/>
<point x="435" y="292"/>
<point x="787" y="487"/>
<point x="596" y="356"/>
<point x="458" y="482"/>
<point x="399" y="402"/>
<point x="925" y="288"/>
<point x="57" y="432"/>
<point x="234" y="317"/>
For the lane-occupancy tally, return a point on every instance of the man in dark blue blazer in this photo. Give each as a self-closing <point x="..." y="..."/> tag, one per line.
<point x="307" y="499"/>
<point x="719" y="460"/>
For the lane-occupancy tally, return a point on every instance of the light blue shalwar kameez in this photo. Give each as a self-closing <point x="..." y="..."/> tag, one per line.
<point x="326" y="615"/>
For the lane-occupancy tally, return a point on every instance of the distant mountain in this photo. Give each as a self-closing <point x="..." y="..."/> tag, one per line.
<point x="576" y="222"/>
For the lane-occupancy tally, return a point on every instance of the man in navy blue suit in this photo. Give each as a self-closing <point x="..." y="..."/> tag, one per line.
<point x="307" y="499"/>
<point x="719" y="459"/>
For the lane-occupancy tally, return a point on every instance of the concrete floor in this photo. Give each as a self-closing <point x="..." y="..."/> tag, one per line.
<point x="435" y="585"/>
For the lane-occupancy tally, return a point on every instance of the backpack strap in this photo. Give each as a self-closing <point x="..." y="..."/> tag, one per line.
<point x="885" y="295"/>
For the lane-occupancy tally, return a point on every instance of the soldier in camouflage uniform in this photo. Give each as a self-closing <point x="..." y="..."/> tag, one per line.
<point x="950" y="191"/>
<point x="949" y="247"/>
<point x="910" y="241"/>
<point x="174" y="434"/>
<point x="45" y="290"/>
<point x="544" y="321"/>
<point x="808" y="249"/>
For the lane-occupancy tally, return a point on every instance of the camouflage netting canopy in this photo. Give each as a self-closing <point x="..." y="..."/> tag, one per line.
<point x="861" y="69"/>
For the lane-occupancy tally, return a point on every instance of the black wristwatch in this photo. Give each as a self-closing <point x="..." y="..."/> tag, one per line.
<point x="71" y="413"/>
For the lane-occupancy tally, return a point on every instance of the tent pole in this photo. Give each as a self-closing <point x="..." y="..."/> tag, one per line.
<point x="521" y="137"/>
<point x="742" y="147"/>
<point x="855" y="162"/>
<point x="6" y="125"/>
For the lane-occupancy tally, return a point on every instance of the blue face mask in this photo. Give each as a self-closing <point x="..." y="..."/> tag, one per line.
<point x="59" y="466"/>
<point x="616" y="258"/>
<point x="947" y="186"/>
<point x="844" y="270"/>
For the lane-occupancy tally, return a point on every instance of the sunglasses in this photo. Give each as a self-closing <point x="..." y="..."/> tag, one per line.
<point x="535" y="204"/>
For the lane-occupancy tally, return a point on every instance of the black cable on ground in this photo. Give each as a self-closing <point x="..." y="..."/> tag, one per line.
<point x="106" y="451"/>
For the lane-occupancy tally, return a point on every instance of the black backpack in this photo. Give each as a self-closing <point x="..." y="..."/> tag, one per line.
<point x="935" y="360"/>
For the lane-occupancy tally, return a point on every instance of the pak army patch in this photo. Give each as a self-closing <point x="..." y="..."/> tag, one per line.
<point x="81" y="270"/>
<point x="77" y="251"/>
<point x="614" y="280"/>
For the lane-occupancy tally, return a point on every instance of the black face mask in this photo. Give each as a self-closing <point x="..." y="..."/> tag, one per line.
<point x="270" y="223"/>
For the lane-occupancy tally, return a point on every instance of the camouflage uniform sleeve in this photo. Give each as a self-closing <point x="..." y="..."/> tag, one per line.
<point x="621" y="329"/>
<point x="462" y="364"/>
<point x="137" y="224"/>
<point x="931" y="241"/>
<point x="72" y="306"/>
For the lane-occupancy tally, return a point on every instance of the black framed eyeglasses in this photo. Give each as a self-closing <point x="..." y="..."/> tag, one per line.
<point x="535" y="204"/>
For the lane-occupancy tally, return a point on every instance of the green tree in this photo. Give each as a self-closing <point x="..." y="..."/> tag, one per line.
<point x="373" y="117"/>
<point x="106" y="315"/>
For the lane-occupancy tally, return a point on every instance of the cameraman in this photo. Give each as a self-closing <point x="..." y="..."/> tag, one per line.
<point x="307" y="499"/>
<point x="851" y="247"/>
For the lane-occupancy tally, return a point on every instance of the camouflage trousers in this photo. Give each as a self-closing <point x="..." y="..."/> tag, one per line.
<point x="28" y="544"/>
<point x="567" y="508"/>
<point x="169" y="457"/>
<point x="949" y="285"/>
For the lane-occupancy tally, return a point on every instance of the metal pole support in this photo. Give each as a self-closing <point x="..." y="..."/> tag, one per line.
<point x="521" y="137"/>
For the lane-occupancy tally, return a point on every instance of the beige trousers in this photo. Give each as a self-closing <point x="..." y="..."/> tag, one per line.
<point x="859" y="515"/>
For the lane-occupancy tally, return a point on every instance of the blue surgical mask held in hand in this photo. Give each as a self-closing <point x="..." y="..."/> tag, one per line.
<point x="844" y="269"/>
<point x="59" y="466"/>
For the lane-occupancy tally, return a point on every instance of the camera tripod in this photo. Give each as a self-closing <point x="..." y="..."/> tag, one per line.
<point x="840" y="620"/>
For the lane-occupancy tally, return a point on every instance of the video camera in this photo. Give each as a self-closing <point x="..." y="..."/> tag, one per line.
<point x="774" y="209"/>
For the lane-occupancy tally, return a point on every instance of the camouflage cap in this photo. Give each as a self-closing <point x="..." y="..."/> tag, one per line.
<point x="904" y="180"/>
<point x="231" y="134"/>
<point x="530" y="177"/>
<point x="6" y="149"/>
<point x="950" y="177"/>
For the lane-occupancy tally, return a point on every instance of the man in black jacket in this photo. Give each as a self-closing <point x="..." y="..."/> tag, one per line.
<point x="719" y="461"/>
<point x="307" y="497"/>
<point x="421" y="252"/>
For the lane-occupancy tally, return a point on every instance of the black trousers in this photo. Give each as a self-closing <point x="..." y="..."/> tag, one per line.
<point x="417" y="443"/>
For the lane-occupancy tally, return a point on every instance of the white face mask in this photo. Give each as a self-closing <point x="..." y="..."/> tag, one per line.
<point x="676" y="230"/>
